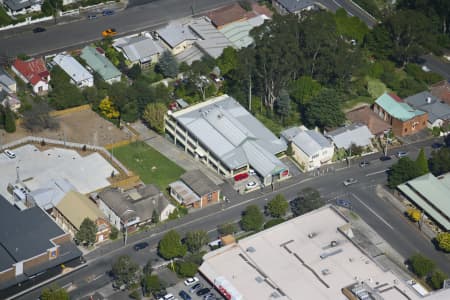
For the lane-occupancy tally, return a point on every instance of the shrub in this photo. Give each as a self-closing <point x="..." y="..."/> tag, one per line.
<point x="273" y="222"/>
<point x="436" y="279"/>
<point x="421" y="265"/>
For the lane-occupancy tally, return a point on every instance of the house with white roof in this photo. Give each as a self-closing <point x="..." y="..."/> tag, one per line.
<point x="7" y="83"/>
<point x="357" y="134"/>
<point x="222" y="134"/>
<point x="79" y="76"/>
<point x="139" y="49"/>
<point x="176" y="37"/>
<point x="310" y="148"/>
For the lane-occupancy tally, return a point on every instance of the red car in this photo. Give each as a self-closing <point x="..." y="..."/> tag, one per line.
<point x="240" y="177"/>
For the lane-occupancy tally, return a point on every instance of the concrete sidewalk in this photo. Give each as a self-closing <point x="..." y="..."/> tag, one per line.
<point x="173" y="153"/>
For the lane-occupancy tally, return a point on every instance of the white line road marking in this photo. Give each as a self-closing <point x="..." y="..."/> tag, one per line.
<point x="377" y="172"/>
<point x="372" y="211"/>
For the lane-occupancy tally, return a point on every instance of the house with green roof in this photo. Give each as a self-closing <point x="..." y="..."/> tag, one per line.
<point x="99" y="63"/>
<point x="404" y="119"/>
<point x="431" y="195"/>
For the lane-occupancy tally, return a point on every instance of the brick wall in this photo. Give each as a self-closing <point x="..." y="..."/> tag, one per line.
<point x="412" y="126"/>
<point x="62" y="239"/>
<point x="8" y="275"/>
<point x="44" y="257"/>
<point x="206" y="200"/>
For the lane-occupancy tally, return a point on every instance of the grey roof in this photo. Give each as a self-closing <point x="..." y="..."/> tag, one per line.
<point x="51" y="193"/>
<point x="357" y="134"/>
<point x="232" y="134"/>
<point x="176" y="33"/>
<point x="72" y="67"/>
<point x="5" y="79"/>
<point x="290" y="133"/>
<point x="435" y="108"/>
<point x="188" y="196"/>
<point x="213" y="41"/>
<point x="199" y="182"/>
<point x="24" y="234"/>
<point x="139" y="48"/>
<point x="311" y="142"/>
<point x="190" y="55"/>
<point x="16" y="5"/>
<point x="294" y="6"/>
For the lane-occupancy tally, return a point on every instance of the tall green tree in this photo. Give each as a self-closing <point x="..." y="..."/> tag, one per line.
<point x="304" y="89"/>
<point x="324" y="110"/>
<point x="437" y="278"/>
<point x="118" y="94"/>
<point x="308" y="199"/>
<point x="195" y="240"/>
<point x="252" y="218"/>
<point x="54" y="293"/>
<point x="151" y="284"/>
<point x="228" y="60"/>
<point x="439" y="161"/>
<point x="87" y="232"/>
<point x="168" y="65"/>
<point x="405" y="169"/>
<point x="422" y="163"/>
<point x="154" y="116"/>
<point x="421" y="265"/>
<point x="170" y="245"/>
<point x="10" y="120"/>
<point x="227" y="228"/>
<point x="283" y="105"/>
<point x="278" y="206"/>
<point x="125" y="271"/>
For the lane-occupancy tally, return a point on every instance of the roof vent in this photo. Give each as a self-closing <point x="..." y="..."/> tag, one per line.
<point x="311" y="235"/>
<point x="333" y="243"/>
<point x="274" y="295"/>
<point x="259" y="279"/>
<point x="251" y="249"/>
<point x="428" y="99"/>
<point x="326" y="272"/>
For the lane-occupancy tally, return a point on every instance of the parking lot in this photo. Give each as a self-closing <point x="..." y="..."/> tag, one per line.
<point x="175" y="290"/>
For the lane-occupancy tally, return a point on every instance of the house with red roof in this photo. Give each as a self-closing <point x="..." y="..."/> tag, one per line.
<point x="34" y="72"/>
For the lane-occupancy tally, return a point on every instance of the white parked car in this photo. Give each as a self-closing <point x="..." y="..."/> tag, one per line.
<point x="425" y="68"/>
<point x="350" y="181"/>
<point x="10" y="154"/>
<point x="250" y="185"/>
<point x="251" y="172"/>
<point x="190" y="281"/>
<point x="167" y="297"/>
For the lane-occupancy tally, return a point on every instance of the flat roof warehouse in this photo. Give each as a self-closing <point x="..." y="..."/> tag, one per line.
<point x="303" y="258"/>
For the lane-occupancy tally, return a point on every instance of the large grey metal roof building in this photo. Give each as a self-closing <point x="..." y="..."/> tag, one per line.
<point x="228" y="138"/>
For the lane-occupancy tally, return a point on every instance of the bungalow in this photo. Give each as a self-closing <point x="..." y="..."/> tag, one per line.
<point x="10" y="100"/>
<point x="133" y="207"/>
<point x="33" y="72"/>
<point x="7" y="83"/>
<point x="354" y="134"/>
<point x="176" y="37"/>
<point x="310" y="148"/>
<point x="438" y="111"/>
<point x="141" y="49"/>
<point x="71" y="211"/>
<point x="195" y="189"/>
<point x="77" y="73"/>
<point x="441" y="90"/>
<point x="21" y="7"/>
<point x="404" y="119"/>
<point x="100" y="64"/>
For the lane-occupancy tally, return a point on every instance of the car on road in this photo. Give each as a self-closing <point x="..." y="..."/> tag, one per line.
<point x="203" y="292"/>
<point x="385" y="158"/>
<point x="364" y="163"/>
<point x="195" y="287"/>
<point x="92" y="17"/>
<point x="108" y="12"/>
<point x="344" y="203"/>
<point x="190" y="281"/>
<point x="9" y="153"/>
<point x="437" y="145"/>
<point x="250" y="185"/>
<point x="140" y="246"/>
<point x="39" y="29"/>
<point x="350" y="181"/>
<point x="184" y="295"/>
<point x="109" y="32"/>
<point x="401" y="154"/>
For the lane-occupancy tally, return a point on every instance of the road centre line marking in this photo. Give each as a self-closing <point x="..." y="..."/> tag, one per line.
<point x="372" y="211"/>
<point x="377" y="172"/>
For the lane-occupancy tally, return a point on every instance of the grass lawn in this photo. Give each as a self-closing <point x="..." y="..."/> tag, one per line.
<point x="351" y="104"/>
<point x="375" y="87"/>
<point x="149" y="164"/>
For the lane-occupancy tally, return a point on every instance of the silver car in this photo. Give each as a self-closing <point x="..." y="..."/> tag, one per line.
<point x="350" y="181"/>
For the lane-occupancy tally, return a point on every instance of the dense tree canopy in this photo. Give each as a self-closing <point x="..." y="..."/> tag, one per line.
<point x="308" y="199"/>
<point x="439" y="161"/>
<point x="87" y="232"/>
<point x="405" y="169"/>
<point x="170" y="245"/>
<point x="421" y="265"/>
<point x="278" y="206"/>
<point x="252" y="218"/>
<point x="125" y="270"/>
<point x="195" y="240"/>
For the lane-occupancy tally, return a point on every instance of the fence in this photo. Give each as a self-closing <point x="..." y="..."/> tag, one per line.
<point x="58" y="113"/>
<point x="28" y="21"/>
<point x="35" y="139"/>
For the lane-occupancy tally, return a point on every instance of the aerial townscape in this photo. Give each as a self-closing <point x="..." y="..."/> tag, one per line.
<point x="225" y="149"/>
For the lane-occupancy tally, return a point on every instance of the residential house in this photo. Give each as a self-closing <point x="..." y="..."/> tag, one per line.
<point x="10" y="100"/>
<point x="310" y="148"/>
<point x="227" y="15"/>
<point x="404" y="119"/>
<point x="47" y="196"/>
<point x="31" y="244"/>
<point x="71" y="211"/>
<point x="294" y="6"/>
<point x="34" y="72"/>
<point x="79" y="76"/>
<point x="139" y="49"/>
<point x="133" y="207"/>
<point x="431" y="195"/>
<point x="441" y="90"/>
<point x="195" y="189"/>
<point x="364" y="115"/>
<point x="438" y="111"/>
<point x="99" y="63"/>
<point x="354" y="134"/>
<point x="176" y="37"/>
<point x="227" y="138"/>
<point x="7" y="83"/>
<point x="21" y="7"/>
<point x="238" y="33"/>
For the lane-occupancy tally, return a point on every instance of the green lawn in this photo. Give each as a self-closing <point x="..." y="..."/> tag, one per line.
<point x="4" y="18"/>
<point x="149" y="164"/>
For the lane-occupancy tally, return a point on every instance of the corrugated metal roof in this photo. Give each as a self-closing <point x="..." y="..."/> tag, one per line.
<point x="99" y="63"/>
<point x="175" y="33"/>
<point x="425" y="101"/>
<point x="238" y="33"/>
<point x="398" y="110"/>
<point x="311" y="142"/>
<point x="357" y="134"/>
<point x="139" y="48"/>
<point x="431" y="194"/>
<point x="72" y="67"/>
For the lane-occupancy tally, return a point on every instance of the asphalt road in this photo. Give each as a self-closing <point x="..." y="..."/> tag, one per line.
<point x="76" y="34"/>
<point x="437" y="65"/>
<point x="386" y="220"/>
<point x="351" y="8"/>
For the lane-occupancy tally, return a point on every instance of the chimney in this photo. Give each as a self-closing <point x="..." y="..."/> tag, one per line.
<point x="428" y="99"/>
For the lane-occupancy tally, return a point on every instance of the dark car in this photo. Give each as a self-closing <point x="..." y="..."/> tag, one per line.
<point x="195" y="287"/>
<point x="107" y="12"/>
<point x="385" y="158"/>
<point x="92" y="17"/>
<point x="436" y="145"/>
<point x="203" y="292"/>
<point x="140" y="246"/>
<point x="184" y="295"/>
<point x="344" y="203"/>
<point x="364" y="163"/>
<point x="39" y="29"/>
